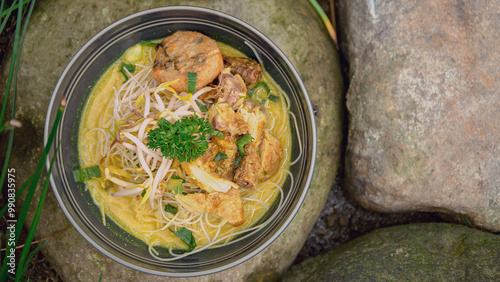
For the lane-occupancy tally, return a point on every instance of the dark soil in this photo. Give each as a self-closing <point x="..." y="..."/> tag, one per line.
<point x="341" y="220"/>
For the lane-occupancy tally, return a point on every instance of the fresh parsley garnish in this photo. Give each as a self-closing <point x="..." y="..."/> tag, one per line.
<point x="129" y="67"/>
<point x="186" y="139"/>
<point x="171" y="209"/>
<point x="220" y="156"/>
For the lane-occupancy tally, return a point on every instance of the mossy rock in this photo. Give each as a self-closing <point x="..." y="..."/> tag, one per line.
<point x="415" y="252"/>
<point x="59" y="28"/>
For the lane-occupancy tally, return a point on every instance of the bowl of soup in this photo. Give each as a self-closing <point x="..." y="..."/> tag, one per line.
<point x="187" y="143"/>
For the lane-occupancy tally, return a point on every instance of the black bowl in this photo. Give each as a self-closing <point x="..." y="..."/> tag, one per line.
<point x="76" y="83"/>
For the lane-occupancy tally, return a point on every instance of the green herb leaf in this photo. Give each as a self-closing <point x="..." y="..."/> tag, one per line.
<point x="191" y="82"/>
<point x="245" y="139"/>
<point x="148" y="43"/>
<point x="178" y="177"/>
<point x="186" y="237"/>
<point x="186" y="139"/>
<point x="177" y="190"/>
<point x="170" y="209"/>
<point x="143" y="193"/>
<point x="85" y="174"/>
<point x="238" y="160"/>
<point x="218" y="134"/>
<point x="220" y="156"/>
<point x="203" y="108"/>
<point x="274" y="98"/>
<point x="129" y="67"/>
<point x="263" y="84"/>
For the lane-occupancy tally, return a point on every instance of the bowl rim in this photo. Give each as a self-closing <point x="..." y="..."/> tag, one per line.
<point x="55" y="101"/>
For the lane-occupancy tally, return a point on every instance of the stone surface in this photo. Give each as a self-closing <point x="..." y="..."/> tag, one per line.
<point x="56" y="32"/>
<point x="415" y="252"/>
<point x="424" y="128"/>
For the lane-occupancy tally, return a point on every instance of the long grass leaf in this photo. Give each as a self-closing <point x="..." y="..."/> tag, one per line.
<point x="7" y="15"/>
<point x="29" y="258"/>
<point x="32" y="186"/>
<point x="34" y="223"/>
<point x="11" y="70"/>
<point x="18" y="42"/>
<point x="15" y="7"/>
<point x="326" y="21"/>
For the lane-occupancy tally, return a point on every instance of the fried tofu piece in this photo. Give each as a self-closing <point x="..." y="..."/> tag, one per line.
<point x="230" y="207"/>
<point x="226" y="205"/>
<point x="194" y="203"/>
<point x="271" y="153"/>
<point x="224" y="118"/>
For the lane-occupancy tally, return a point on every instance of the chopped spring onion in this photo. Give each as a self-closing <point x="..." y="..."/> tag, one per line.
<point x="175" y="184"/>
<point x="178" y="190"/>
<point x="186" y="237"/>
<point x="178" y="177"/>
<point x="220" y="156"/>
<point x="263" y="84"/>
<point x="274" y="98"/>
<point x="245" y="139"/>
<point x="85" y="174"/>
<point x="218" y="134"/>
<point x="191" y="82"/>
<point x="149" y="43"/>
<point x="129" y="67"/>
<point x="143" y="193"/>
<point x="170" y="209"/>
<point x="203" y="108"/>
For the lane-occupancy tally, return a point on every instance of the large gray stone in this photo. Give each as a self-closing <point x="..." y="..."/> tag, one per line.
<point x="424" y="128"/>
<point x="59" y="28"/>
<point x="415" y="252"/>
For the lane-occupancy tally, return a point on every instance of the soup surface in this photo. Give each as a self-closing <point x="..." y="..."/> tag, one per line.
<point x="213" y="197"/>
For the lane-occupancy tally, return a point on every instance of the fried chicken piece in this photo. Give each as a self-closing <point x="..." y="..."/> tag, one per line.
<point x="256" y="117"/>
<point x="250" y="70"/>
<point x="232" y="88"/>
<point x="224" y="118"/>
<point x="271" y="154"/>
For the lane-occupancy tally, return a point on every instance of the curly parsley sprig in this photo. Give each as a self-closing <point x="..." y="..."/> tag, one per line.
<point x="186" y="139"/>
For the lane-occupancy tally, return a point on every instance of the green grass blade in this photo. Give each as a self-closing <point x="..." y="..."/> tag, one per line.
<point x="15" y="7"/>
<point x="11" y="70"/>
<point x="17" y="56"/>
<point x="30" y="257"/>
<point x="7" y="15"/>
<point x="31" y="233"/>
<point x="32" y="187"/>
